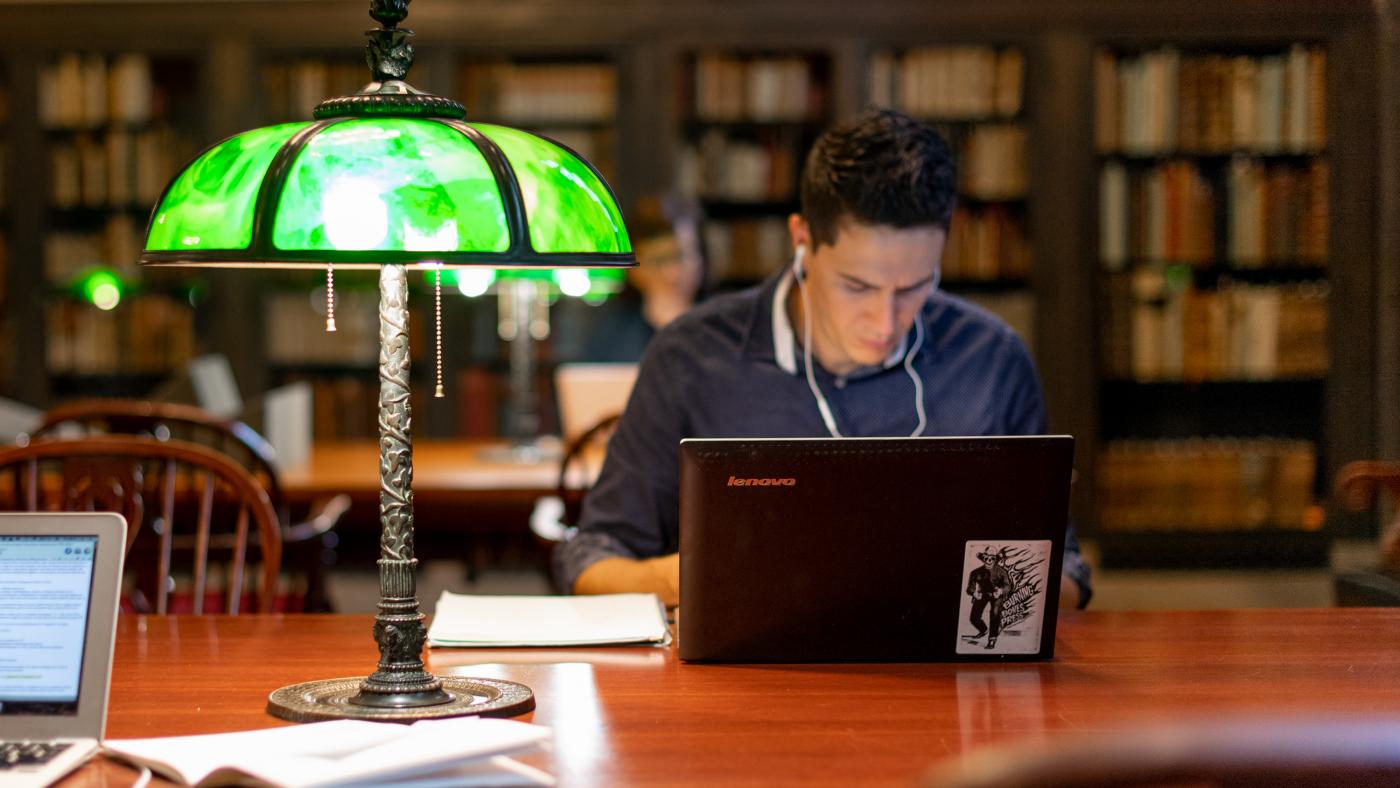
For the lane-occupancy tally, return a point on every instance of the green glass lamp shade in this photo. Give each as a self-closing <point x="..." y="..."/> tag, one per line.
<point x="360" y="192"/>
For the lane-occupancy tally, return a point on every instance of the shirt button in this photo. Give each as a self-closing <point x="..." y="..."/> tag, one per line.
<point x="840" y="383"/>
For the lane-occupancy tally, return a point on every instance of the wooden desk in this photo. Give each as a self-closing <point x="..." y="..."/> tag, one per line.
<point x="630" y="716"/>
<point x="444" y="471"/>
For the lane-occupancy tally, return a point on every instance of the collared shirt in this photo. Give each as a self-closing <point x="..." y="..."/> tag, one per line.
<point x="731" y="367"/>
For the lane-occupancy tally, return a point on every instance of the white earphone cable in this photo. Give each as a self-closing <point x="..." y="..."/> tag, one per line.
<point x="822" y="406"/>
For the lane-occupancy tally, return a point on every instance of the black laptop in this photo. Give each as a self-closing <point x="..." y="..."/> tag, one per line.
<point x="879" y="549"/>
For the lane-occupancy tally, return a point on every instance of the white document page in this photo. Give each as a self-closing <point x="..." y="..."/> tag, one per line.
<point x="339" y="753"/>
<point x="464" y="620"/>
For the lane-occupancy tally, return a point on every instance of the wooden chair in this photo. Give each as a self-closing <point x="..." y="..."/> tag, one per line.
<point x="555" y="517"/>
<point x="1358" y="484"/>
<point x="179" y="497"/>
<point x="307" y="541"/>
<point x="1244" y="753"/>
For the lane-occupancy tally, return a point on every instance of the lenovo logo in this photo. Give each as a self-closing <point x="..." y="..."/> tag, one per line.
<point x="735" y="481"/>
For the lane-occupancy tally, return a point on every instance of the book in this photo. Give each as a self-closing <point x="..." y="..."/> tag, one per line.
<point x="462" y="620"/>
<point x="458" y="751"/>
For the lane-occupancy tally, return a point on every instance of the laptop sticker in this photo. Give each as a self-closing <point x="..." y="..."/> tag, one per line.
<point x="1004" y="586"/>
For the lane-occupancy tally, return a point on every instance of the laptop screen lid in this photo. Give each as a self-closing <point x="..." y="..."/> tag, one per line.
<point x="871" y="549"/>
<point x="60" y="580"/>
<point x="588" y="393"/>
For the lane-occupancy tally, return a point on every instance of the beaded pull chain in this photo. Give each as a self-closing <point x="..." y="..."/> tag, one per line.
<point x="330" y="297"/>
<point x="437" y="322"/>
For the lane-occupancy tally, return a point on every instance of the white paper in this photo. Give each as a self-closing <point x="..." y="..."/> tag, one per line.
<point x="287" y="423"/>
<point x="215" y="387"/>
<point x="341" y="753"/>
<point x="464" y="620"/>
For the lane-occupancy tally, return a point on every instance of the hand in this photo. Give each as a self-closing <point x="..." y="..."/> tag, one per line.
<point x="667" y="570"/>
<point x="976" y="593"/>
<point x="996" y="593"/>
<point x="660" y="576"/>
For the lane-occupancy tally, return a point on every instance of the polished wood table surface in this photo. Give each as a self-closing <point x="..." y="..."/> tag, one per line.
<point x="443" y="470"/>
<point x="639" y="716"/>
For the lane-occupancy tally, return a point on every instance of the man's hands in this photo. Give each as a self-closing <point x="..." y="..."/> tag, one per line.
<point x="660" y="576"/>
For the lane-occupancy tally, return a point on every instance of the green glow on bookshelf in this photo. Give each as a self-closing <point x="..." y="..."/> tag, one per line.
<point x="102" y="289"/>
<point x="210" y="205"/>
<point x="391" y="184"/>
<point x="568" y="207"/>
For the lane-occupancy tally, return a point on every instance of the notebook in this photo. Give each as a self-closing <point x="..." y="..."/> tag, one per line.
<point x="588" y="393"/>
<point x="879" y="549"/>
<point x="60" y="578"/>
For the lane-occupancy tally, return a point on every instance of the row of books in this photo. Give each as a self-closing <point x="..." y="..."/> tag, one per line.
<point x="148" y="334"/>
<point x="986" y="244"/>
<point x="90" y="90"/>
<point x="292" y="89"/>
<point x="1157" y="329"/>
<point x="950" y="81"/>
<point x="764" y="89"/>
<point x="117" y="246"/>
<point x="1205" y="484"/>
<point x="992" y="162"/>
<point x="746" y="250"/>
<point x="1016" y="307"/>
<point x="533" y="93"/>
<point x="1272" y="214"/>
<point x="115" y="169"/>
<point x="722" y="168"/>
<point x="1164" y="101"/>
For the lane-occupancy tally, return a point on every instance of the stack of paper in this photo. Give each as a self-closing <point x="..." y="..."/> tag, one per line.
<point x="498" y="621"/>
<point x="459" y="751"/>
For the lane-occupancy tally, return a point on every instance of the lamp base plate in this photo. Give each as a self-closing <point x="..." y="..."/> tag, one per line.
<point x="329" y="699"/>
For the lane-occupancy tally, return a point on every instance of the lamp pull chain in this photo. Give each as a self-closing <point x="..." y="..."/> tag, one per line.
<point x="330" y="297"/>
<point x="437" y="324"/>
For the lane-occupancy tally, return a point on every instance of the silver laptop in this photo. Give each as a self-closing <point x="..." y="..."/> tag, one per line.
<point x="60" y="579"/>
<point x="872" y="549"/>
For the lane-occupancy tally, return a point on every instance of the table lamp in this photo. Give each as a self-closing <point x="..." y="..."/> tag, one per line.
<point x="390" y="178"/>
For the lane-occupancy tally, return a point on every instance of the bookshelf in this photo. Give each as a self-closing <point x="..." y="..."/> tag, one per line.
<point x="975" y="95"/>
<point x="1344" y="411"/>
<point x="1214" y="344"/>
<point x="747" y="118"/>
<point x="7" y="329"/>
<point x="115" y="127"/>
<point x="569" y="98"/>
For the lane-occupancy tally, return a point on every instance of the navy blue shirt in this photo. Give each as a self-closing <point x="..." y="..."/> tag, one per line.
<point x="731" y="368"/>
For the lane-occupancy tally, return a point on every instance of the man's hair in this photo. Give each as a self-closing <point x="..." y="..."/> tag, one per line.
<point x="881" y="167"/>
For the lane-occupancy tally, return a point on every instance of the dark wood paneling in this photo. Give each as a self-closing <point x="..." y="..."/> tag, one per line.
<point x="1061" y="224"/>
<point x="1387" y="302"/>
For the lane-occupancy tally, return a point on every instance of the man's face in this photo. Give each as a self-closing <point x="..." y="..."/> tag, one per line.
<point x="866" y="289"/>
<point x="987" y="561"/>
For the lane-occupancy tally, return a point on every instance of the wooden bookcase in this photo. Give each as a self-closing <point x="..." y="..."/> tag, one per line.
<point x="746" y="119"/>
<point x="115" y="127"/>
<point x="1347" y="411"/>
<point x="975" y="95"/>
<point x="8" y="366"/>
<point x="1213" y="228"/>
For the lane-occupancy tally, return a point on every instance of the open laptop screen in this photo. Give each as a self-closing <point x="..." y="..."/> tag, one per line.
<point x="45" y="585"/>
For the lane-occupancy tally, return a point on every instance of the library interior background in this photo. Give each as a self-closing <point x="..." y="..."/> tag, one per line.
<point x="1189" y="211"/>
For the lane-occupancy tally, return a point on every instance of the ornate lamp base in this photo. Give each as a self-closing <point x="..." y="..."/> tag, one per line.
<point x="330" y="699"/>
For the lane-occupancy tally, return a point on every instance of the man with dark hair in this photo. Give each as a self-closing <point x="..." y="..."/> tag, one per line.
<point x="854" y="339"/>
